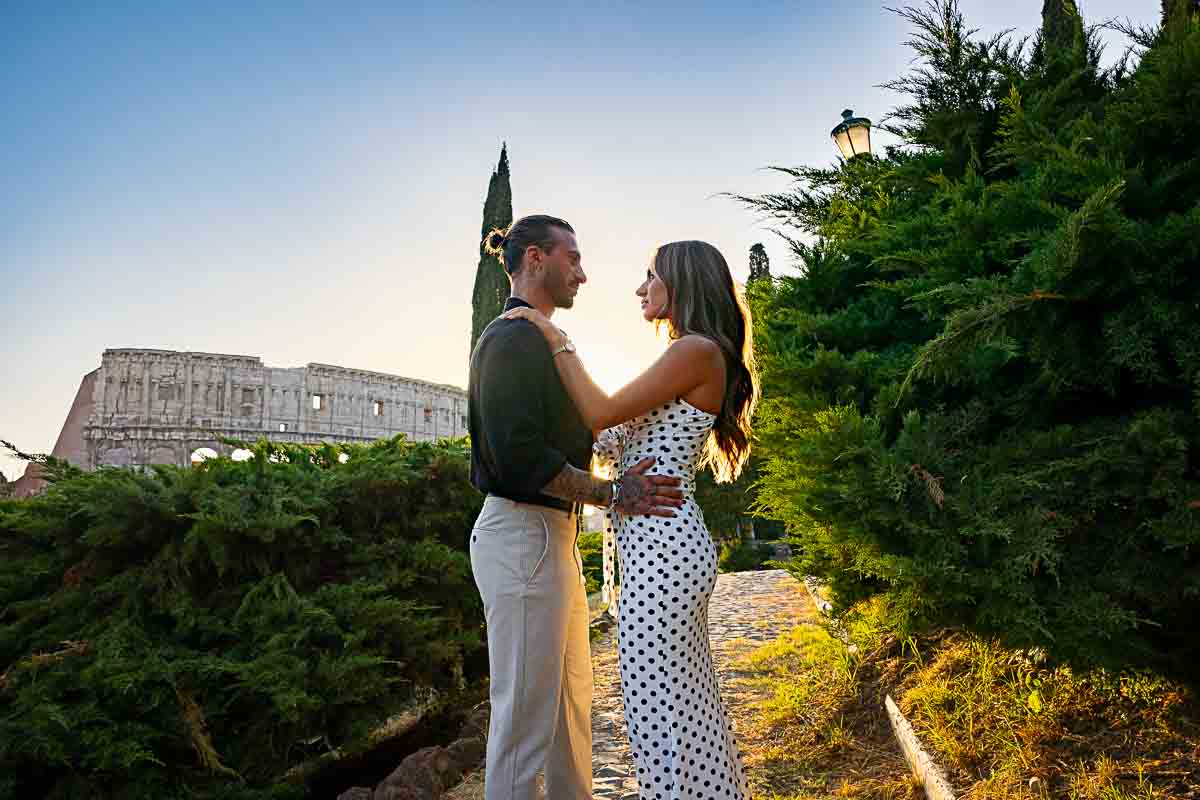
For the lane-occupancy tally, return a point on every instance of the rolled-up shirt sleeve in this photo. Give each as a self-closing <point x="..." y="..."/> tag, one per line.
<point x="513" y="413"/>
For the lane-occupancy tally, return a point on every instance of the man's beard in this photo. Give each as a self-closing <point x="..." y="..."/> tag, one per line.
<point x="563" y="296"/>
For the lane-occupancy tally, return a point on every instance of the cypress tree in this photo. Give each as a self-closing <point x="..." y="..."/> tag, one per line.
<point x="1183" y="7"/>
<point x="760" y="265"/>
<point x="1062" y="27"/>
<point x="491" y="282"/>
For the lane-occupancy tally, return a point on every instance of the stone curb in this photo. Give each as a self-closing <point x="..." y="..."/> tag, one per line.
<point x="929" y="773"/>
<point x="932" y="777"/>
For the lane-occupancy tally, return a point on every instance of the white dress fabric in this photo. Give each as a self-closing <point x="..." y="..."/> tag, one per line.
<point x="679" y="731"/>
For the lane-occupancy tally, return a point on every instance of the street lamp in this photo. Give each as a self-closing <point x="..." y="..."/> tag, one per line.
<point x="852" y="135"/>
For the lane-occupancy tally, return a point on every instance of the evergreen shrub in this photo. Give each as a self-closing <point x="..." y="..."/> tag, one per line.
<point x="591" y="551"/>
<point x="982" y="391"/>
<point x="199" y="632"/>
<point x="743" y="556"/>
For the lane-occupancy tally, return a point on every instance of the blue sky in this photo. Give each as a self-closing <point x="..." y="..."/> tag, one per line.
<point x="303" y="182"/>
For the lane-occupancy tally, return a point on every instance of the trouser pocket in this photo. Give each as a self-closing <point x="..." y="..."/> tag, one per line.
<point x="536" y="549"/>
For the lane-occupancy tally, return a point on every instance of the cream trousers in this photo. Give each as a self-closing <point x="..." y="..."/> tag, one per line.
<point x="530" y="575"/>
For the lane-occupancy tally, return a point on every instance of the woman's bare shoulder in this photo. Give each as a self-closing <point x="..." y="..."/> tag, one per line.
<point x="695" y="345"/>
<point x="697" y="352"/>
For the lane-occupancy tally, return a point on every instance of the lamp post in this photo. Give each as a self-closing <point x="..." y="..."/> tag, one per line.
<point x="852" y="135"/>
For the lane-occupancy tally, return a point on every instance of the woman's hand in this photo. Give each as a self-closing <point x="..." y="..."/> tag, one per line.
<point x="554" y="336"/>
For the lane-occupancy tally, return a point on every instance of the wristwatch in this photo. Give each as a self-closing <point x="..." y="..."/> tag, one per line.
<point x="566" y="347"/>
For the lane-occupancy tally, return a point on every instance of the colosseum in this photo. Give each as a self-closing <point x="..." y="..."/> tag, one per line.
<point x="166" y="407"/>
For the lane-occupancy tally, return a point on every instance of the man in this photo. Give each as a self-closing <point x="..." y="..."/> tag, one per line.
<point x="531" y="454"/>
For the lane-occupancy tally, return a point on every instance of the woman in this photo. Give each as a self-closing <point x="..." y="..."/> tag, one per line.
<point x="690" y="409"/>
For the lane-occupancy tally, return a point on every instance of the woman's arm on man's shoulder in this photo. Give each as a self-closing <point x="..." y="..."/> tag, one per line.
<point x="687" y="363"/>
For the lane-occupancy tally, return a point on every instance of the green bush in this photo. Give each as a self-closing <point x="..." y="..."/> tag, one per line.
<point x="198" y="632"/>
<point x="591" y="550"/>
<point x="983" y="391"/>
<point x="743" y="556"/>
<point x="727" y="507"/>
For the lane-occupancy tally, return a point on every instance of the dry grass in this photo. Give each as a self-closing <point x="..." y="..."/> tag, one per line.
<point x="1003" y="724"/>
<point x="810" y="719"/>
<point x="470" y="789"/>
<point x="817" y="729"/>
<point x="1006" y="726"/>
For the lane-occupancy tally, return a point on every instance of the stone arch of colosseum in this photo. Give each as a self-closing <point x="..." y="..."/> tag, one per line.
<point x="145" y="407"/>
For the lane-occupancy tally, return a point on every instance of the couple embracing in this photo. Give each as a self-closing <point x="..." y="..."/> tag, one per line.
<point x="536" y="421"/>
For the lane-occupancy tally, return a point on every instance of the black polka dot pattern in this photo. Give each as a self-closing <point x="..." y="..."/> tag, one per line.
<point x="678" y="727"/>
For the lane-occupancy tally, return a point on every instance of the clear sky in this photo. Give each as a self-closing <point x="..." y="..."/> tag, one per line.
<point x="304" y="182"/>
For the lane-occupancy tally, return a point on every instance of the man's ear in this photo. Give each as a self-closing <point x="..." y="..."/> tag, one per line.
<point x="533" y="258"/>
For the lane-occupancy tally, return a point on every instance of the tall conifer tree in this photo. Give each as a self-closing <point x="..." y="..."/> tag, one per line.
<point x="491" y="283"/>
<point x="1062" y="27"/>
<point x="1182" y="8"/>
<point x="760" y="265"/>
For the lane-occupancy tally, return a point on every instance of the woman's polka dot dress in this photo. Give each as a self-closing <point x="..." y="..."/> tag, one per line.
<point x="678" y="729"/>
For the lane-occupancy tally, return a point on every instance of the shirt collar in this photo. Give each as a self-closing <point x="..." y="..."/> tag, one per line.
<point x="515" y="302"/>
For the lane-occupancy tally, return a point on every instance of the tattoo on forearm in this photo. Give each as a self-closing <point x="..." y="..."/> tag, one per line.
<point x="578" y="486"/>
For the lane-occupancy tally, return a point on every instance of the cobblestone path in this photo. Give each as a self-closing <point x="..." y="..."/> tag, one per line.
<point x="747" y="609"/>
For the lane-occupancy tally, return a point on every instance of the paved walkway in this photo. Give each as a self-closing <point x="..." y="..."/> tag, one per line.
<point x="747" y="609"/>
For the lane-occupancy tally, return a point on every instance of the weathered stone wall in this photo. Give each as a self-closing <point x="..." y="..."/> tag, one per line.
<point x="160" y="406"/>
<point x="72" y="439"/>
<point x="72" y="443"/>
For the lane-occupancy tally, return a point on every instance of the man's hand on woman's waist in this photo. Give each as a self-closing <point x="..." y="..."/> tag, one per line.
<point x="639" y="493"/>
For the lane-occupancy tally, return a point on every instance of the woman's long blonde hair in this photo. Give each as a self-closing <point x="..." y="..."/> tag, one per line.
<point x="702" y="299"/>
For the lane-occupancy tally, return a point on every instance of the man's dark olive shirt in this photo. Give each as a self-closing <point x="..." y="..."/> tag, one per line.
<point x="523" y="424"/>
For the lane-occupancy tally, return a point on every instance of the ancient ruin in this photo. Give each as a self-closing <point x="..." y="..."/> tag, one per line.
<point x="166" y="407"/>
